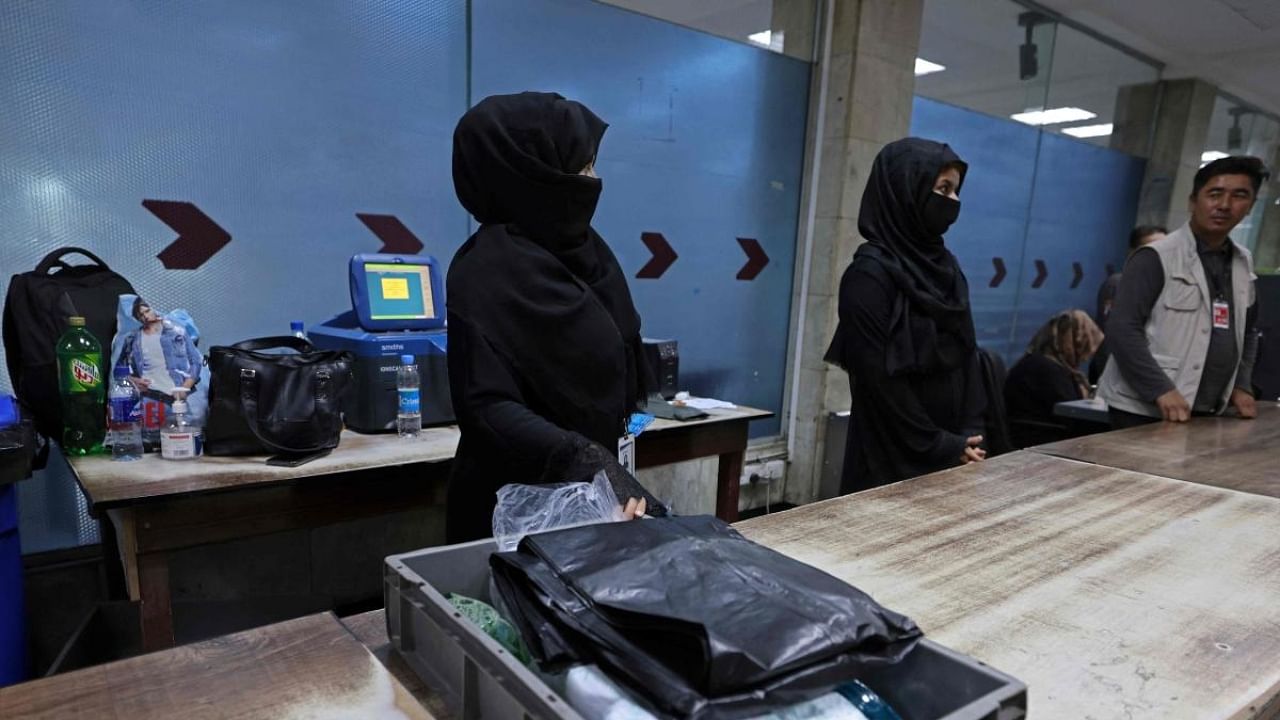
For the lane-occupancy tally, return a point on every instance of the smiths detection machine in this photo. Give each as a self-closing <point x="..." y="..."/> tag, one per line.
<point x="397" y="308"/>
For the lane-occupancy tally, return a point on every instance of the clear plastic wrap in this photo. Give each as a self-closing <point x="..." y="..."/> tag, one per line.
<point x="528" y="509"/>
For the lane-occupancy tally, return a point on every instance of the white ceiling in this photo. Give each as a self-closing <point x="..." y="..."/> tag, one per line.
<point x="1234" y="44"/>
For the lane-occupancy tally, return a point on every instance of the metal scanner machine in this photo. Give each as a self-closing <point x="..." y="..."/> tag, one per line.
<point x="397" y="308"/>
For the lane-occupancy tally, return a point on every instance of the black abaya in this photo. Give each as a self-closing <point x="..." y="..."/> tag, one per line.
<point x="906" y="332"/>
<point x="544" y="339"/>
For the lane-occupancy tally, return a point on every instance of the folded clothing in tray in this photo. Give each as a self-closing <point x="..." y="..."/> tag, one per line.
<point x="695" y="619"/>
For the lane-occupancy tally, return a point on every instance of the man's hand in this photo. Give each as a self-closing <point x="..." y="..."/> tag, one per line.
<point x="1174" y="407"/>
<point x="140" y="383"/>
<point x="972" y="451"/>
<point x="1244" y="404"/>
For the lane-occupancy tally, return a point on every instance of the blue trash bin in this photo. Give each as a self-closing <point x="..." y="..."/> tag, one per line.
<point x="13" y="635"/>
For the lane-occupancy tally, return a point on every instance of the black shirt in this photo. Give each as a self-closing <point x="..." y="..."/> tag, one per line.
<point x="1140" y="288"/>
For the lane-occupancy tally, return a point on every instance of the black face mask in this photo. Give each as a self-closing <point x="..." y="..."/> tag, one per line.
<point x="938" y="213"/>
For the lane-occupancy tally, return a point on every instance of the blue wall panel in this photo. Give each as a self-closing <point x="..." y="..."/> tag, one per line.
<point x="1032" y="196"/>
<point x="278" y="119"/>
<point x="705" y="145"/>
<point x="1085" y="202"/>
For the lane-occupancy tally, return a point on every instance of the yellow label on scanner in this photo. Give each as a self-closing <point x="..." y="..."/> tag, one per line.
<point x="395" y="288"/>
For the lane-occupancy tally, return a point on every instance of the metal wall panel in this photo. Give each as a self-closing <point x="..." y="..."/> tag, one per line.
<point x="705" y="146"/>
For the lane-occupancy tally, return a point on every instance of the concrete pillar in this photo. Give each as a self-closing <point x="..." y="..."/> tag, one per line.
<point x="870" y="82"/>
<point x="1180" y="111"/>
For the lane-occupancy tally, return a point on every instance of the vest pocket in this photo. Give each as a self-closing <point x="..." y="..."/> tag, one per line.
<point x="1181" y="294"/>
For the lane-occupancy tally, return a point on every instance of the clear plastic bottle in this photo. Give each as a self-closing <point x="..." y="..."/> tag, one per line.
<point x="181" y="438"/>
<point x="409" y="415"/>
<point x="297" y="329"/>
<point x="124" y="415"/>
<point x="83" y="390"/>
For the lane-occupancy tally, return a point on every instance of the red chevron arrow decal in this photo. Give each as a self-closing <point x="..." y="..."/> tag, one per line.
<point x="396" y="238"/>
<point x="199" y="237"/>
<point x="663" y="256"/>
<point x="1000" y="272"/>
<point x="756" y="259"/>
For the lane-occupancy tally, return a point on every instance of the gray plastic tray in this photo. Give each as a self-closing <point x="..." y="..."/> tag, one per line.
<point x="479" y="679"/>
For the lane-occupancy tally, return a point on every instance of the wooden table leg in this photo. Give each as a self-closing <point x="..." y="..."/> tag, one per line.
<point x="157" y="617"/>
<point x="728" y="483"/>
<point x="112" y="564"/>
<point x="125" y="535"/>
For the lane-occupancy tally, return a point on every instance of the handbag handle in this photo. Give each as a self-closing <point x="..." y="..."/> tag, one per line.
<point x="276" y="341"/>
<point x="249" y="410"/>
<point x="55" y="259"/>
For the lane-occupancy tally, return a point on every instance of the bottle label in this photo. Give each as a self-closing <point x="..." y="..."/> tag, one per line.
<point x="153" y="414"/>
<point x="123" y="410"/>
<point x="410" y="401"/>
<point x="84" y="373"/>
<point x="180" y="445"/>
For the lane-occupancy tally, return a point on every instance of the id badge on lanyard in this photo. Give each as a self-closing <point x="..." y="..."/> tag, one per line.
<point x="627" y="452"/>
<point x="1221" y="315"/>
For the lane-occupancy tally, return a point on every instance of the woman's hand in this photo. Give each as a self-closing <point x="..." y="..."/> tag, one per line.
<point x="634" y="509"/>
<point x="973" y="451"/>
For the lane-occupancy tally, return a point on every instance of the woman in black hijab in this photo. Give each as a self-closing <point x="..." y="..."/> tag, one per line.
<point x="545" y="360"/>
<point x="906" y="333"/>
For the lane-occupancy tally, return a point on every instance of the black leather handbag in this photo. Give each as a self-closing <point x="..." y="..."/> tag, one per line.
<point x="263" y="403"/>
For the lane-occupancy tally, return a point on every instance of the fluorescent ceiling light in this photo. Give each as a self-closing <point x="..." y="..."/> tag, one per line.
<point x="924" y="67"/>
<point x="1088" y="131"/>
<point x="1210" y="156"/>
<point x="1053" y="116"/>
<point x="768" y="39"/>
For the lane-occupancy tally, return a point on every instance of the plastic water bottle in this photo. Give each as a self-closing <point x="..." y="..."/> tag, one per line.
<point x="181" y="438"/>
<point x="124" y="413"/>
<point x="83" y="390"/>
<point x="297" y="329"/>
<point x="409" y="415"/>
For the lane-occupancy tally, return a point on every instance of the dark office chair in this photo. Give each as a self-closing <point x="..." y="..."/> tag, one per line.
<point x="996" y="435"/>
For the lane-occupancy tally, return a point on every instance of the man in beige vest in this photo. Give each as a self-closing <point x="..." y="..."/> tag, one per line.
<point x="1182" y="329"/>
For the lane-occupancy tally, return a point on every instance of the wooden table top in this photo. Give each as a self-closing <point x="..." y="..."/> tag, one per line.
<point x="718" y="415"/>
<point x="370" y="629"/>
<point x="1111" y="594"/>
<point x="1225" y="452"/>
<point x="107" y="484"/>
<point x="311" y="667"/>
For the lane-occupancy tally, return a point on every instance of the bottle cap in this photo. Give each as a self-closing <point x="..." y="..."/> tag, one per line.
<point x="179" y="406"/>
<point x="120" y="371"/>
<point x="75" y="321"/>
<point x="295" y="325"/>
<point x="406" y="359"/>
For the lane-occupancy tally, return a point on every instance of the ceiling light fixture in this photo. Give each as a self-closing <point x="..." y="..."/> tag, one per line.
<point x="924" y="67"/>
<point x="1210" y="155"/>
<point x="1089" y="131"/>
<point x="1053" y="116"/>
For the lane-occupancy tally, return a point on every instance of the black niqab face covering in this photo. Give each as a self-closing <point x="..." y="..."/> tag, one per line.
<point x="939" y="213"/>
<point x="903" y="220"/>
<point x="517" y="161"/>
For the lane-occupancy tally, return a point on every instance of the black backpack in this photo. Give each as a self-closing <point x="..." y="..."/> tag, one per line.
<point x="36" y="309"/>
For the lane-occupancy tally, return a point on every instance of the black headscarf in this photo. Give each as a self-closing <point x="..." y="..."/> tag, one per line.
<point x="931" y="327"/>
<point x="537" y="281"/>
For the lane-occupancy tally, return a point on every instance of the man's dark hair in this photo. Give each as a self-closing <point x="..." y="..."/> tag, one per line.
<point x="1141" y="232"/>
<point x="138" y="304"/>
<point x="1233" y="165"/>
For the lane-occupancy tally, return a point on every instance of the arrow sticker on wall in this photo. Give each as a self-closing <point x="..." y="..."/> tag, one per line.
<point x="663" y="256"/>
<point x="1042" y="272"/>
<point x="199" y="237"/>
<point x="1077" y="275"/>
<point x="396" y="238"/>
<point x="1000" y="272"/>
<point x="756" y="259"/>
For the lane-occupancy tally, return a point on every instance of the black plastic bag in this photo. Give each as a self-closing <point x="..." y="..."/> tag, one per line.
<point x="698" y="621"/>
